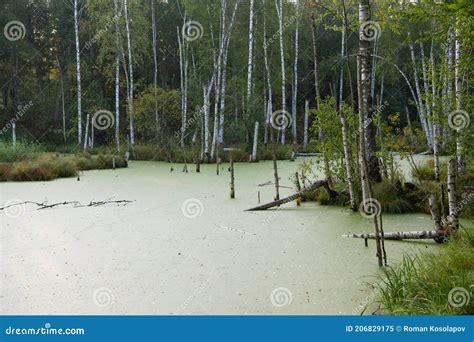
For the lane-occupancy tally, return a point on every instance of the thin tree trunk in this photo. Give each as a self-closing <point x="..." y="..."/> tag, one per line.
<point x="86" y="134"/>
<point x="269" y="100"/>
<point x="130" y="67"/>
<point x="363" y="81"/>
<point x="63" y="109"/>
<point x="295" y="75"/>
<point x="250" y="54"/>
<point x="458" y="91"/>
<point x="306" y="122"/>
<point x="421" y="108"/>
<point x="435" y="116"/>
<point x="117" y="79"/>
<point x="279" y="8"/>
<point x="155" y="60"/>
<point x="342" y="118"/>
<point x="224" y="73"/>
<point x="78" y="70"/>
<point x="452" y="202"/>
<point x="255" y="142"/>
<point x="433" y="201"/>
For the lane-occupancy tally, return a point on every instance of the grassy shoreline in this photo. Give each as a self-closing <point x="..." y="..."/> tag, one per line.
<point x="440" y="283"/>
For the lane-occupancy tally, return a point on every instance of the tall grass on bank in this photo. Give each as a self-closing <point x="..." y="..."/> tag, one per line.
<point x="46" y="167"/>
<point x="423" y="284"/>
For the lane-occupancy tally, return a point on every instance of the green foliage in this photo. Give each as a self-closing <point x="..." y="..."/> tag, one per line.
<point x="22" y="151"/>
<point x="421" y="284"/>
<point x="392" y="197"/>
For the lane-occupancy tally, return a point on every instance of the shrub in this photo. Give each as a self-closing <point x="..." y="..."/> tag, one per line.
<point x="22" y="151"/>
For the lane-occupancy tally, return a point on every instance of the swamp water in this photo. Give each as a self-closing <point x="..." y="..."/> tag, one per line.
<point x="184" y="247"/>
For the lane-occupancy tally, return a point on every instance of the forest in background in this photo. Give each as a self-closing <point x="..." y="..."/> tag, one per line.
<point x="358" y="84"/>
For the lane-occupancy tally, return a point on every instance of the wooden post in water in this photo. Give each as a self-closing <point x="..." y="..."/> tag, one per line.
<point x="231" y="169"/>
<point x="113" y="163"/>
<point x="298" y="188"/>
<point x="232" y="179"/>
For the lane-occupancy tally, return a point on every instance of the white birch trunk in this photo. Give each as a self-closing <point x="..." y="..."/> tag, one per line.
<point x="429" y="117"/>
<point x="117" y="80"/>
<point x="435" y="116"/>
<point x="14" y="134"/>
<point x="130" y="67"/>
<point x="255" y="142"/>
<point x="181" y="73"/>
<point x="342" y="118"/>
<point x="86" y="134"/>
<point x="279" y="8"/>
<point x="458" y="92"/>
<point x="306" y="123"/>
<point x="250" y="54"/>
<point x="452" y="203"/>
<point x="295" y="76"/>
<point x="78" y="71"/>
<point x="421" y="108"/>
<point x="269" y="100"/>
<point x="155" y="59"/>
<point x="224" y="73"/>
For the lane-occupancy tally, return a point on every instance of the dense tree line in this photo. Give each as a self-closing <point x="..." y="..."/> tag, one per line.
<point x="212" y="72"/>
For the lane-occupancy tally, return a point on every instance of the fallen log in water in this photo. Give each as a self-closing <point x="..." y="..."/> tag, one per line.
<point x="421" y="234"/>
<point x="296" y="195"/>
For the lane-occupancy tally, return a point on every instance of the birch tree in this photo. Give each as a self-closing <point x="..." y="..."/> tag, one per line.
<point x="155" y="59"/>
<point x="295" y="75"/>
<point x="342" y="118"/>
<point x="363" y="82"/>
<point x="130" y="70"/>
<point x="279" y="9"/>
<point x="117" y="78"/>
<point x="77" y="13"/>
<point x="250" y="54"/>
